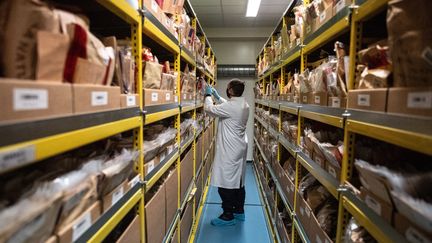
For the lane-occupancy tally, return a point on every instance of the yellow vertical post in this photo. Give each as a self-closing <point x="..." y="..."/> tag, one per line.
<point x="355" y="44"/>
<point x="177" y="67"/>
<point x="194" y="26"/>
<point x="282" y="79"/>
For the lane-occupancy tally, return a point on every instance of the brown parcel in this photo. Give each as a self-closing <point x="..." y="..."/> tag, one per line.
<point x="410" y="101"/>
<point x="319" y="98"/>
<point x="186" y="223"/>
<point x="368" y="99"/>
<point x="410" y="230"/>
<point x="22" y="99"/>
<point x="52" y="50"/>
<point x="316" y="233"/>
<point x="37" y="223"/>
<point x="75" y="229"/>
<point x="152" y="75"/>
<point x="337" y="102"/>
<point x="152" y="97"/>
<point x="304" y="213"/>
<point x="379" y="206"/>
<point x="186" y="166"/>
<point x="110" y="199"/>
<point x="91" y="98"/>
<point x="155" y="216"/>
<point x="132" y="232"/>
<point x="171" y="196"/>
<point x="154" y="8"/>
<point x="87" y="72"/>
<point x="129" y="100"/>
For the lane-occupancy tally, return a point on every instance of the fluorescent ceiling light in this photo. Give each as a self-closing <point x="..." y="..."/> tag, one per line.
<point x="252" y="8"/>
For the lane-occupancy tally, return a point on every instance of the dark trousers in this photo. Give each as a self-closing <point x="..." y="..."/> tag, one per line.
<point x="232" y="200"/>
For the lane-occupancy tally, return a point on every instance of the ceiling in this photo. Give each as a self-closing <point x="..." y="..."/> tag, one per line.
<point x="231" y="13"/>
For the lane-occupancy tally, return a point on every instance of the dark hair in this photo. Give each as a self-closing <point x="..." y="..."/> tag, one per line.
<point x="237" y="86"/>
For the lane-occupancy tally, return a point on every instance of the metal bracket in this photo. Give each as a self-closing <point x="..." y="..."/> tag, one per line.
<point x="142" y="11"/>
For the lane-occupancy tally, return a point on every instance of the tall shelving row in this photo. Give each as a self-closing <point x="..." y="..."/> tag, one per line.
<point x="31" y="142"/>
<point x="353" y="24"/>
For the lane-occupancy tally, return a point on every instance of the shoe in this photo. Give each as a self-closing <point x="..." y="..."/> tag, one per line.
<point x="240" y="216"/>
<point x="221" y="222"/>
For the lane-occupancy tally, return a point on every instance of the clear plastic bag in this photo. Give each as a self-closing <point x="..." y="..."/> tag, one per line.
<point x="154" y="147"/>
<point x="355" y="233"/>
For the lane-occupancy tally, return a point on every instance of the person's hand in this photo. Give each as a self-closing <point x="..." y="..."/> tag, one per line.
<point x="208" y="90"/>
<point x="215" y="94"/>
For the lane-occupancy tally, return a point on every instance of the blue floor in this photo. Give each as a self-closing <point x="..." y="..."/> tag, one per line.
<point x="254" y="229"/>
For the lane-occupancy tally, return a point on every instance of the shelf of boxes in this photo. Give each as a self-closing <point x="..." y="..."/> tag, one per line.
<point x="26" y="142"/>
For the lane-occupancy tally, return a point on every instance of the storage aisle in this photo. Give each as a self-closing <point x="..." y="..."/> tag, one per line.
<point x="254" y="229"/>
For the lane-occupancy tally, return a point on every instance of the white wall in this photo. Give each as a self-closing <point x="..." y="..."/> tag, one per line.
<point x="249" y="95"/>
<point x="239" y="51"/>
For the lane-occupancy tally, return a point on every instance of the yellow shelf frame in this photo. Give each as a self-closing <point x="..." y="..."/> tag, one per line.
<point x="369" y="8"/>
<point x="53" y="145"/>
<point x="190" y="60"/>
<point x="158" y="116"/>
<point x="150" y="183"/>
<point x="106" y="229"/>
<point x="415" y="141"/>
<point x="151" y="30"/>
<point x="324" y="118"/>
<point x="122" y="9"/>
<point x="187" y="108"/>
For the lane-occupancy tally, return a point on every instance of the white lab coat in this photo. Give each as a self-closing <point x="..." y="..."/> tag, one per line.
<point x="229" y="164"/>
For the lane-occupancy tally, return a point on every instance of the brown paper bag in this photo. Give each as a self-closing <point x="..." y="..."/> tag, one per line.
<point x="87" y="72"/>
<point x="152" y="75"/>
<point x="168" y="81"/>
<point x="52" y="50"/>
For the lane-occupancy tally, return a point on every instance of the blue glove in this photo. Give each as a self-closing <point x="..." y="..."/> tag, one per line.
<point x="216" y="94"/>
<point x="208" y="90"/>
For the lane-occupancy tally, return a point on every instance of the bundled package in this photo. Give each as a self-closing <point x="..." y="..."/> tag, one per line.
<point x="316" y="197"/>
<point x="375" y="68"/>
<point x="152" y="75"/>
<point x="288" y="166"/>
<point x="327" y="217"/>
<point x="355" y="233"/>
<point x="154" y="147"/>
<point x="125" y="70"/>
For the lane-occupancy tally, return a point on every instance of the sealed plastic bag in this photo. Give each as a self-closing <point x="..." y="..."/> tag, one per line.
<point x="355" y="233"/>
<point x="327" y="218"/>
<point x="154" y="147"/>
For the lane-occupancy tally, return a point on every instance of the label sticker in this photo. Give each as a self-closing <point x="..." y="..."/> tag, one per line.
<point x="117" y="195"/>
<point x="319" y="161"/>
<point x="308" y="212"/>
<point x="134" y="181"/>
<point x="336" y="102"/>
<point x="99" y="98"/>
<point x="288" y="188"/>
<point x="17" y="157"/>
<point x="81" y="226"/>
<point x="332" y="171"/>
<point x="373" y="204"/>
<point x="291" y="45"/>
<point x="340" y="5"/>
<point x="317" y="99"/>
<point x="154" y="97"/>
<point x="307" y="153"/>
<point x="130" y="100"/>
<point x="298" y="42"/>
<point x="304" y="98"/>
<point x="413" y="235"/>
<point x="167" y="96"/>
<point x="154" y="6"/>
<point x="292" y="188"/>
<point x="363" y="100"/>
<point x="184" y="96"/>
<point x="162" y="156"/>
<point x="150" y="166"/>
<point x="176" y="99"/>
<point x="322" y="16"/>
<point x="422" y="100"/>
<point x="30" y="99"/>
<point x="302" y="211"/>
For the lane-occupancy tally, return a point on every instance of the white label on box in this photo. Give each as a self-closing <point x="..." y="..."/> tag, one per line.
<point x="288" y="188"/>
<point x="154" y="6"/>
<point x="340" y="5"/>
<point x="302" y="211"/>
<point x="422" y="100"/>
<point x="332" y="171"/>
<point x="363" y="100"/>
<point x="134" y="181"/>
<point x="298" y="42"/>
<point x="318" y="239"/>
<point x="319" y="161"/>
<point x="414" y="236"/>
<point x="304" y="98"/>
<point x="130" y="100"/>
<point x="30" y="99"/>
<point x="292" y="187"/>
<point x="184" y="96"/>
<point x="322" y="16"/>
<point x="150" y="166"/>
<point x="317" y="99"/>
<point x="154" y="97"/>
<point x="99" y="98"/>
<point x="291" y="45"/>
<point x="336" y="102"/>
<point x="307" y="153"/>
<point x="167" y="96"/>
<point x="117" y="195"/>
<point x="81" y="226"/>
<point x="308" y="212"/>
<point x="162" y="156"/>
<point x="17" y="157"/>
<point x="175" y="98"/>
<point x="373" y="204"/>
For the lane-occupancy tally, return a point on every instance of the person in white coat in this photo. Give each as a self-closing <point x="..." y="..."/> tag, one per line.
<point x="228" y="172"/>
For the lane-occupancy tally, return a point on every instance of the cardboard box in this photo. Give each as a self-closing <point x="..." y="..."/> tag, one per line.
<point x="411" y="231"/>
<point x="129" y="100"/>
<point x="287" y="186"/>
<point x="28" y="100"/>
<point x="333" y="170"/>
<point x="132" y="232"/>
<point x="186" y="173"/>
<point x="283" y="233"/>
<point x="152" y="97"/>
<point x="325" y="16"/>
<point x="316" y="233"/>
<point x="186" y="223"/>
<point x="375" y="184"/>
<point x="149" y="166"/>
<point x="410" y="101"/>
<point x="319" y="98"/>
<point x="368" y="99"/>
<point x="52" y="239"/>
<point x="154" y="8"/>
<point x="199" y="191"/>
<point x="169" y="7"/>
<point x="341" y="4"/>
<point x="320" y="160"/>
<point x="171" y="197"/>
<point x="337" y="102"/>
<point x="306" y="98"/>
<point x="91" y="98"/>
<point x="303" y="212"/>
<point x="75" y="229"/>
<point x="109" y="200"/>
<point x="379" y="206"/>
<point x="155" y="216"/>
<point x="198" y="153"/>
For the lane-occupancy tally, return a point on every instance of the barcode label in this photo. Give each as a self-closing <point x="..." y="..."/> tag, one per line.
<point x="154" y="97"/>
<point x="17" y="157"/>
<point x="117" y="195"/>
<point x="422" y="100"/>
<point x="363" y="100"/>
<point x="30" y="99"/>
<point x="130" y="100"/>
<point x="317" y="99"/>
<point x="99" y="98"/>
<point x="81" y="226"/>
<point x="336" y="102"/>
<point x="167" y="96"/>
